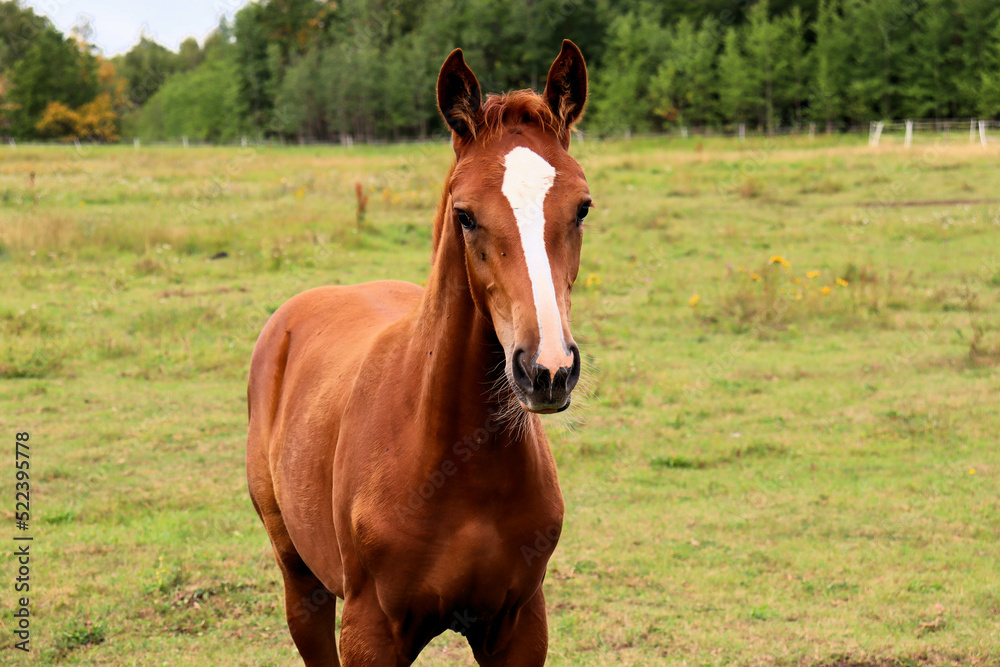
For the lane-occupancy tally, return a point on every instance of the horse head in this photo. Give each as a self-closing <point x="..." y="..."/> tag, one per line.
<point x="517" y="200"/>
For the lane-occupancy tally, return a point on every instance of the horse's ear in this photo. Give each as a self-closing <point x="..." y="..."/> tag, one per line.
<point x="458" y="96"/>
<point x="566" y="87"/>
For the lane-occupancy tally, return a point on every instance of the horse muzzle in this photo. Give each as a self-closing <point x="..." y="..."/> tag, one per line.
<point x="540" y="388"/>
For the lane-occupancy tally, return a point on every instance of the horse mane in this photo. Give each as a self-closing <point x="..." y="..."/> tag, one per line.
<point x="517" y="107"/>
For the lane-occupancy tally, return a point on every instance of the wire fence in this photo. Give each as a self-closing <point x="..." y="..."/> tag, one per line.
<point x="905" y="132"/>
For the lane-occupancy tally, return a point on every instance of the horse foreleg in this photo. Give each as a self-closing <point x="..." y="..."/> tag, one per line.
<point x="366" y="636"/>
<point x="527" y="639"/>
<point x="311" y="611"/>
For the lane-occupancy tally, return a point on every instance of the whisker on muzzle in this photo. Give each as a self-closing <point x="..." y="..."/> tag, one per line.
<point x="517" y="420"/>
<point x="574" y="418"/>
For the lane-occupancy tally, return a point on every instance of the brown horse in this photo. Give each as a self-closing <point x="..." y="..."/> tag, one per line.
<point x="383" y="454"/>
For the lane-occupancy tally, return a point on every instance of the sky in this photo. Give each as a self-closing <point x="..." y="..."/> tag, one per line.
<point x="117" y="24"/>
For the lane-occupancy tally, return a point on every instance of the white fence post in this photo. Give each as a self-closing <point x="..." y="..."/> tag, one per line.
<point x="982" y="133"/>
<point x="743" y="131"/>
<point x="972" y="130"/>
<point x="908" y="139"/>
<point x="185" y="140"/>
<point x="135" y="143"/>
<point x="684" y="131"/>
<point x="812" y="130"/>
<point x="875" y="132"/>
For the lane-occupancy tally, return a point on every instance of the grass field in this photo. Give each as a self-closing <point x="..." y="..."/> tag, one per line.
<point x="788" y="454"/>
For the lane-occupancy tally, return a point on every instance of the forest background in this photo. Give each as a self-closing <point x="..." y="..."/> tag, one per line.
<point x="307" y="70"/>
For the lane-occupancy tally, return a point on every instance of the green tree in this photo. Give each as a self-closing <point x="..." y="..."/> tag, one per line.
<point x="202" y="104"/>
<point x="19" y="26"/>
<point x="53" y="69"/>
<point x="269" y="35"/>
<point x="292" y="25"/>
<point x="830" y="54"/>
<point x="302" y="100"/>
<point x="975" y="44"/>
<point x="255" y="69"/>
<point x="927" y="72"/>
<point x="796" y="68"/>
<point x="736" y="93"/>
<point x="763" y="39"/>
<point x="408" y="87"/>
<point x="145" y="68"/>
<point x="636" y="47"/>
<point x="352" y="75"/>
<point x="684" y="87"/>
<point x="988" y="100"/>
<point x="190" y="55"/>
<point x="879" y="40"/>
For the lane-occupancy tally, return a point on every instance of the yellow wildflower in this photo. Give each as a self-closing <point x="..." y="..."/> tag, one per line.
<point x="301" y="192"/>
<point x="778" y="259"/>
<point x="812" y="274"/>
<point x="825" y="289"/>
<point x="841" y="282"/>
<point x="693" y="301"/>
<point x="592" y="279"/>
<point x="754" y="276"/>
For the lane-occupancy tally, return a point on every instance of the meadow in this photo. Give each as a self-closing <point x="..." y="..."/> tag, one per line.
<point x="786" y="453"/>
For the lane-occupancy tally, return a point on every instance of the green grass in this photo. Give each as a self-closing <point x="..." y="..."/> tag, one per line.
<point x="771" y="467"/>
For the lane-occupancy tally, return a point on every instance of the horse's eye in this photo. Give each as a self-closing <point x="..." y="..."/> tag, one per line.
<point x="582" y="212"/>
<point x="467" y="221"/>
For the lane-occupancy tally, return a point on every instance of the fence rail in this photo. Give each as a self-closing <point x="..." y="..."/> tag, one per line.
<point x="978" y="130"/>
<point x="982" y="131"/>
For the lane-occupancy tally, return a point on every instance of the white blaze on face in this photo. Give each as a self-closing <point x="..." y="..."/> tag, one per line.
<point x="526" y="181"/>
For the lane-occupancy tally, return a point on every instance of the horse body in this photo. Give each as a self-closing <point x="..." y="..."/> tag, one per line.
<point x="377" y="455"/>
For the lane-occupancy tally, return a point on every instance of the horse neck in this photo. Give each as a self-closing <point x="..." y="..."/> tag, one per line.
<point x="459" y="354"/>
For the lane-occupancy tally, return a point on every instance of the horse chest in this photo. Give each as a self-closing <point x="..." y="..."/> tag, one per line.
<point x="478" y="567"/>
<point x="438" y="563"/>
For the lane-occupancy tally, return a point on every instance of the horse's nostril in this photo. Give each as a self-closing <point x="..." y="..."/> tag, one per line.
<point x="521" y="374"/>
<point x="519" y="359"/>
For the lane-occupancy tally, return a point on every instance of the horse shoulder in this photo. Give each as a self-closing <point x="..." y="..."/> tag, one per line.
<point x="320" y="337"/>
<point x="302" y="373"/>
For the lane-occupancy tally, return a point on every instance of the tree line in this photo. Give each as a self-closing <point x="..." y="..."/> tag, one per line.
<point x="366" y="69"/>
